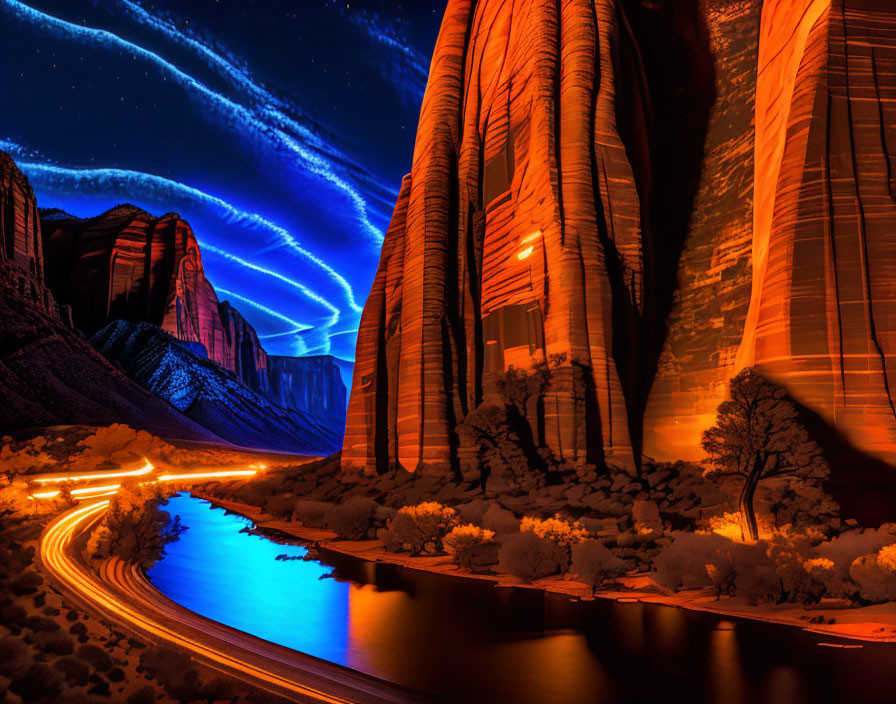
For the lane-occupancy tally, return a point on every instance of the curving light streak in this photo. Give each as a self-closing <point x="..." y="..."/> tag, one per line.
<point x="139" y="472"/>
<point x="124" y="178"/>
<point x="207" y="475"/>
<point x="55" y="546"/>
<point x="271" y="312"/>
<point x="247" y="118"/>
<point x="107" y="489"/>
<point x="285" y="279"/>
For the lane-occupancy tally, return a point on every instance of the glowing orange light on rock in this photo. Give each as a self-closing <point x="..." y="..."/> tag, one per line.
<point x="526" y="253"/>
<point x="208" y="475"/>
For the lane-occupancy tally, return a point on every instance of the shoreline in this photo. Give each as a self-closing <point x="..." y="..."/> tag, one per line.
<point x="849" y="623"/>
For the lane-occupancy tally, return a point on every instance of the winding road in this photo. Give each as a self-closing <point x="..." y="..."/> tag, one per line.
<point x="121" y="593"/>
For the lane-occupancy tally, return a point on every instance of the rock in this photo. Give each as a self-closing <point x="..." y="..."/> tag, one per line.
<point x="646" y="516"/>
<point x="208" y="394"/>
<point x="504" y="197"/>
<point x="310" y="384"/>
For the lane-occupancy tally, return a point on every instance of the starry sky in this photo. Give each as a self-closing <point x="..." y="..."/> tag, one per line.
<point x="279" y="130"/>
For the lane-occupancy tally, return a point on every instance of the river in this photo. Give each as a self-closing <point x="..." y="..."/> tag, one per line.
<point x="471" y="642"/>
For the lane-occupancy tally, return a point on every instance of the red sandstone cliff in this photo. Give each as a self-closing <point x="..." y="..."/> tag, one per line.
<point x="20" y="245"/>
<point x="517" y="235"/>
<point x="804" y="288"/>
<point x="548" y="210"/>
<point x="126" y="264"/>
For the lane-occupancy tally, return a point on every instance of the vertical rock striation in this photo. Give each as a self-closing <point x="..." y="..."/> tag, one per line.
<point x="707" y="319"/>
<point x="517" y="236"/>
<point x="822" y="316"/>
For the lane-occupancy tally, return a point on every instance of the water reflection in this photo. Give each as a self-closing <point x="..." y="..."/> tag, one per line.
<point x="477" y="644"/>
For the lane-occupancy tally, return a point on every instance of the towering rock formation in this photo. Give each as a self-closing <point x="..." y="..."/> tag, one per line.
<point x="20" y="245"/>
<point x="126" y="264"/>
<point x="707" y="320"/>
<point x="814" y="257"/>
<point x="517" y="236"/>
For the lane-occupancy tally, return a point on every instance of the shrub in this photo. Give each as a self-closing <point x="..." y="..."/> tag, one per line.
<point x="420" y="528"/>
<point x="528" y="556"/>
<point x="38" y="682"/>
<point x="682" y="565"/>
<point x="95" y="656"/>
<point x="280" y="506"/>
<point x="27" y="582"/>
<point x="875" y="578"/>
<point x="144" y="695"/>
<point x="791" y="558"/>
<point x="15" y="658"/>
<point x="471" y="547"/>
<point x="313" y="514"/>
<point x="134" y="528"/>
<point x="759" y="585"/>
<point x="847" y="547"/>
<point x="500" y="520"/>
<point x="556" y="529"/>
<point x="352" y="518"/>
<point x="174" y="672"/>
<point x="40" y="623"/>
<point x="74" y="670"/>
<point x="56" y="643"/>
<point x="594" y="564"/>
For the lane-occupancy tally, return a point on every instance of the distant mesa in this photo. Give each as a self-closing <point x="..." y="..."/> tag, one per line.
<point x="659" y="196"/>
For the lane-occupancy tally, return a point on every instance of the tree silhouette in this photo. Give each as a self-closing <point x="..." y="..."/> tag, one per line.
<point x="757" y="436"/>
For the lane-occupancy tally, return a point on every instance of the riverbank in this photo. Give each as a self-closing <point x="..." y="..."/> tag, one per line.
<point x="875" y="623"/>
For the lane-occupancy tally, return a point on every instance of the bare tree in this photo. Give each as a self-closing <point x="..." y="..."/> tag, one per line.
<point x="757" y="436"/>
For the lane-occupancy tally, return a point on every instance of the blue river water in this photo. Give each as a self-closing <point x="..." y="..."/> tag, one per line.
<point x="468" y="641"/>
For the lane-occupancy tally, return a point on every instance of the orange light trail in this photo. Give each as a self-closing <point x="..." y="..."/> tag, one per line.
<point x="139" y="472"/>
<point x="54" y="548"/>
<point x="208" y="475"/>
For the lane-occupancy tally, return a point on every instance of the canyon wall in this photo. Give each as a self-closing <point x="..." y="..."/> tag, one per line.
<point x="49" y="375"/>
<point x="311" y="384"/>
<point x="554" y="207"/>
<point x="517" y="237"/>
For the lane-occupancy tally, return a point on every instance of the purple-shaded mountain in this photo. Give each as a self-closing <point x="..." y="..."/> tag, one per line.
<point x="209" y="394"/>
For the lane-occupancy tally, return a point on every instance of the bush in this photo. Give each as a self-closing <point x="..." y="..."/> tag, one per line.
<point x="471" y="547"/>
<point x="594" y="564"/>
<point x="528" y="556"/>
<point x="846" y="548"/>
<point x="352" y="518"/>
<point x="500" y="520"/>
<point x="15" y="658"/>
<point x="95" y="656"/>
<point x="556" y="529"/>
<point x="759" y="585"/>
<point x="40" y="623"/>
<point x="26" y="583"/>
<point x="144" y="695"/>
<point x="38" y="682"/>
<point x="420" y="528"/>
<point x="682" y="565"/>
<point x="875" y="577"/>
<point x="75" y="670"/>
<point x="280" y="506"/>
<point x="174" y="672"/>
<point x="313" y="514"/>
<point x="56" y="643"/>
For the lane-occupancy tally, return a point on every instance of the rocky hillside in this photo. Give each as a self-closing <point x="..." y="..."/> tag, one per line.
<point x="209" y="394"/>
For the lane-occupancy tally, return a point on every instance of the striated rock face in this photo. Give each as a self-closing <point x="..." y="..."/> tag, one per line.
<point x="209" y="395"/>
<point x="48" y="374"/>
<point x="243" y="352"/>
<point x="707" y="320"/>
<point x="126" y="264"/>
<point x="822" y="316"/>
<point x="517" y="235"/>
<point x="20" y="245"/>
<point x="310" y="384"/>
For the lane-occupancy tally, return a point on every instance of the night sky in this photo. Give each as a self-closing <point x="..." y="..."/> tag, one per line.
<point x="279" y="130"/>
